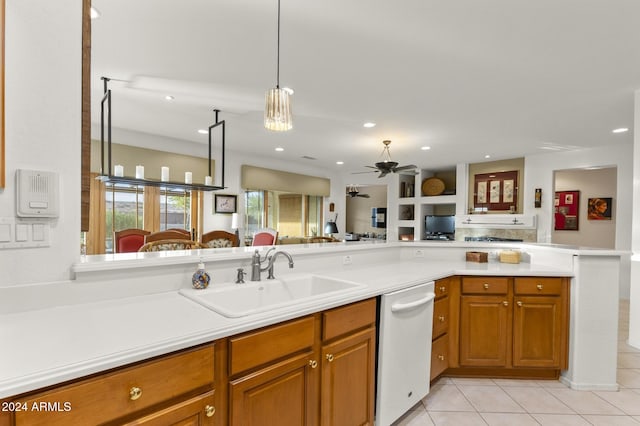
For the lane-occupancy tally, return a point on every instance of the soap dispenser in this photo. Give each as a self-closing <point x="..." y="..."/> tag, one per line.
<point x="200" y="279"/>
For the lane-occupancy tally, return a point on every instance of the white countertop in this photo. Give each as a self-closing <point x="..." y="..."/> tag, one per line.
<point x="49" y="346"/>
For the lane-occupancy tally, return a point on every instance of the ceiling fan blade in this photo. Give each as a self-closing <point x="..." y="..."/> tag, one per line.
<point x="383" y="173"/>
<point x="363" y="195"/>
<point x="407" y="167"/>
<point x="359" y="173"/>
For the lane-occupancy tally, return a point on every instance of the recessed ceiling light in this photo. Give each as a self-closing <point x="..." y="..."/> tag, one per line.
<point x="279" y="149"/>
<point x="369" y="125"/>
<point x="487" y="156"/>
<point x="94" y="13"/>
<point x="289" y="90"/>
<point x="620" y="130"/>
<point x="169" y="98"/>
<point x="425" y="148"/>
<point x="340" y="162"/>
<point x="203" y="132"/>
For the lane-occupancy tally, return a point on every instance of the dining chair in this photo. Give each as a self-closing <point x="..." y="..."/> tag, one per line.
<point x="219" y="239"/>
<point x="171" y="244"/>
<point x="129" y="240"/>
<point x="265" y="237"/>
<point x="169" y="234"/>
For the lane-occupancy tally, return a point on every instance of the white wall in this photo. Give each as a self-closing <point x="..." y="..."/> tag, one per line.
<point x="539" y="172"/>
<point x="43" y="61"/>
<point x="600" y="183"/>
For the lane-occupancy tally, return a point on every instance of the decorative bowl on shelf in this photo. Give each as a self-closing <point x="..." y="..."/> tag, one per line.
<point x="432" y="186"/>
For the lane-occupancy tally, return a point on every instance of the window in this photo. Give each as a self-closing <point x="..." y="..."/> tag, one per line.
<point x="175" y="209"/>
<point x="293" y="215"/>
<point x="124" y="205"/>
<point x="125" y="208"/>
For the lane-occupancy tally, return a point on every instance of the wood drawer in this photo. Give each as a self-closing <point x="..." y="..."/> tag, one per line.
<point x="442" y="287"/>
<point x="199" y="411"/>
<point x="107" y="397"/>
<point x="346" y="319"/>
<point x="538" y="285"/>
<point x="440" y="317"/>
<point x="485" y="285"/>
<point x="439" y="356"/>
<point x="250" y="350"/>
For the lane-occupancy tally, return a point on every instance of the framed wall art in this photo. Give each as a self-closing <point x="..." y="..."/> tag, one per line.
<point x="566" y="209"/>
<point x="225" y="203"/>
<point x="599" y="208"/>
<point x="496" y="191"/>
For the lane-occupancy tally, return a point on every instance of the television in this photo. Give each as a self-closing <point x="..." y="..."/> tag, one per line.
<point x="439" y="225"/>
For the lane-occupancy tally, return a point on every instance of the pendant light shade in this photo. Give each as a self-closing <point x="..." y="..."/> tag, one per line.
<point x="277" y="110"/>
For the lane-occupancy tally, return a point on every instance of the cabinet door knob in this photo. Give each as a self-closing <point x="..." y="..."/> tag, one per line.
<point x="486" y="286"/>
<point x="539" y="286"/>
<point x="441" y="318"/>
<point x="313" y="363"/>
<point x="441" y="357"/>
<point x="329" y="357"/>
<point x="209" y="410"/>
<point x="443" y="289"/>
<point x="135" y="393"/>
<point x="505" y="303"/>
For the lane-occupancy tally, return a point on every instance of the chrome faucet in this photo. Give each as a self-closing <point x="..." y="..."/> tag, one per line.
<point x="256" y="263"/>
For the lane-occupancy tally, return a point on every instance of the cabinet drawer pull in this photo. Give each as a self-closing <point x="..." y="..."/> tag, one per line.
<point x="519" y="303"/>
<point x="539" y="287"/>
<point x="313" y="363"/>
<point x="443" y="289"/>
<point x="486" y="286"/>
<point x="505" y="303"/>
<point x="329" y="357"/>
<point x="441" y="318"/>
<point x="209" y="410"/>
<point x="135" y="393"/>
<point x="441" y="357"/>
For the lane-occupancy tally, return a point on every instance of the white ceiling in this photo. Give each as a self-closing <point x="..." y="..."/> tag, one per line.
<point x="466" y="77"/>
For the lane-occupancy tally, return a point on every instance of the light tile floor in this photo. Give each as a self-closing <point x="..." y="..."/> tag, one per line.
<point x="498" y="402"/>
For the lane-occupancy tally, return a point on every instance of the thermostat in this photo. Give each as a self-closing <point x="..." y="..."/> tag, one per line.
<point x="37" y="194"/>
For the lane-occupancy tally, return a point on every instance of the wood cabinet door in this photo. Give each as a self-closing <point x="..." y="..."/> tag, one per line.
<point x="537" y="331"/>
<point x="283" y="394"/>
<point x="485" y="330"/>
<point x="348" y="375"/>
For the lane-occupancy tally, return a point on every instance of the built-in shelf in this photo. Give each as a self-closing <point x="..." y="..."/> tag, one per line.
<point x="150" y="182"/>
<point x="496" y="221"/>
<point x="438" y="199"/>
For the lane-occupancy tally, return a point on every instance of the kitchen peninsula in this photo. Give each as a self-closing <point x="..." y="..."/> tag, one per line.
<point x="124" y="309"/>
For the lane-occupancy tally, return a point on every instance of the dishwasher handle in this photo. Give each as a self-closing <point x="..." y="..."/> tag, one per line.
<point x="400" y="307"/>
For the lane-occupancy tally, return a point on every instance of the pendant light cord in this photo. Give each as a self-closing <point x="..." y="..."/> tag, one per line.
<point x="278" y="54"/>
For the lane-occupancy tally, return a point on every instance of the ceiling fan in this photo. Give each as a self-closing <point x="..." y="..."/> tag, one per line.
<point x="353" y="192"/>
<point x="387" y="166"/>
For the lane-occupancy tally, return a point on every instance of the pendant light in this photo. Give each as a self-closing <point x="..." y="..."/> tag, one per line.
<point x="277" y="111"/>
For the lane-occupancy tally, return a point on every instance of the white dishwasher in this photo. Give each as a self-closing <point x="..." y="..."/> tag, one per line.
<point x="404" y="351"/>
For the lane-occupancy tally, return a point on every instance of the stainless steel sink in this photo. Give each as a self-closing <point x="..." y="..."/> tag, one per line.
<point x="238" y="300"/>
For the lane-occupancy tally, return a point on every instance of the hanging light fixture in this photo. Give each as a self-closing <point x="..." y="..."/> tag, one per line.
<point x="277" y="111"/>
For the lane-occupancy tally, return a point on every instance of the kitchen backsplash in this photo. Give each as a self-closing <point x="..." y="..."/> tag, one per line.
<point x="526" y="235"/>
